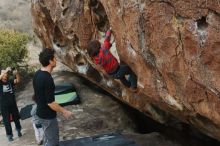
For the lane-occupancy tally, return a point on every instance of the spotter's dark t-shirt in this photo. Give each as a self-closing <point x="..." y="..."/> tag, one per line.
<point x="44" y="89"/>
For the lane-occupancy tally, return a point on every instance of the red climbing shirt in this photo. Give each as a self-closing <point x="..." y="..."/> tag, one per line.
<point x="105" y="57"/>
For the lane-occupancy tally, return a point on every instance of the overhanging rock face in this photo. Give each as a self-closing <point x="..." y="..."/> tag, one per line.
<point x="173" y="46"/>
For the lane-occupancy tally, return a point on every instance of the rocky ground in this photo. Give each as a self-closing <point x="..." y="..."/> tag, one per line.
<point x="98" y="113"/>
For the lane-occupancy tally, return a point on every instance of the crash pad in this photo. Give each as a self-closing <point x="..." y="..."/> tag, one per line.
<point x="65" y="94"/>
<point x="111" y="139"/>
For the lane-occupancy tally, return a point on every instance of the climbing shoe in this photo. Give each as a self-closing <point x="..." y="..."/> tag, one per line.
<point x="134" y="90"/>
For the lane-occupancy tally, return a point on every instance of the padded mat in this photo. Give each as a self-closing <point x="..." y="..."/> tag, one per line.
<point x="112" y="139"/>
<point x="25" y="112"/>
<point x="65" y="94"/>
<point x="67" y="99"/>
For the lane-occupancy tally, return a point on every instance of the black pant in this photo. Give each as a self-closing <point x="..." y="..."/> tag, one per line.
<point x="6" y="112"/>
<point x="120" y="74"/>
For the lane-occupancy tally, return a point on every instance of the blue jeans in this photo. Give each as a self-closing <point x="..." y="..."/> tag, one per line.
<point x="120" y="74"/>
<point x="51" y="131"/>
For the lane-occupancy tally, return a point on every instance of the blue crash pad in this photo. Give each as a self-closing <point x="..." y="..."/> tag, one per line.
<point x="112" y="139"/>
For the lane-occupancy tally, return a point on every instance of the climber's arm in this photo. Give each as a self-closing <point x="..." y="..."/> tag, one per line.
<point x="107" y="43"/>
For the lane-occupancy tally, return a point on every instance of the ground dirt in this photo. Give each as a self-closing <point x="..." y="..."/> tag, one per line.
<point x="98" y="113"/>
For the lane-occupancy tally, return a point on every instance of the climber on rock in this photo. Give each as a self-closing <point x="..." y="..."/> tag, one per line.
<point x="101" y="55"/>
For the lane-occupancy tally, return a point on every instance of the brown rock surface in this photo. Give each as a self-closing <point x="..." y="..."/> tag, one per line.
<point x="173" y="46"/>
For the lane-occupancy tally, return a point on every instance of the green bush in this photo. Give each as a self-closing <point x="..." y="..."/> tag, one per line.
<point x="13" y="48"/>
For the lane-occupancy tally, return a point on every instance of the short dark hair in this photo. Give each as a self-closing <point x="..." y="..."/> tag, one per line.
<point x="93" y="48"/>
<point x="46" y="55"/>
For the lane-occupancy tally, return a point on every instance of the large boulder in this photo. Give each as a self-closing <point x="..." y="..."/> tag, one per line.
<point x="173" y="46"/>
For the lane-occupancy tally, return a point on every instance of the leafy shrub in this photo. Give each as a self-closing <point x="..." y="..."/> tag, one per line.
<point x="13" y="48"/>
